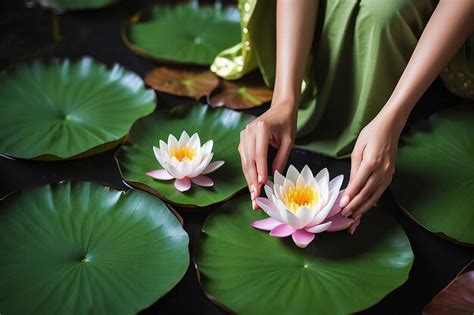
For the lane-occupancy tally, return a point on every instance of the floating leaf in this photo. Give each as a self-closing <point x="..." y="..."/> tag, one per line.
<point x="69" y="5"/>
<point x="237" y="96"/>
<point x="195" y="84"/>
<point x="81" y="248"/>
<point x="248" y="272"/>
<point x="223" y="126"/>
<point x="435" y="173"/>
<point x="187" y="33"/>
<point x="457" y="298"/>
<point x="65" y="109"/>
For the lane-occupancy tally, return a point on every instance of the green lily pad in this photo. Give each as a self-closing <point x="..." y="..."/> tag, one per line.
<point x="434" y="178"/>
<point x="69" y="5"/>
<point x="187" y="33"/>
<point x="82" y="248"/>
<point x="223" y="126"/>
<point x="249" y="272"/>
<point x="68" y="109"/>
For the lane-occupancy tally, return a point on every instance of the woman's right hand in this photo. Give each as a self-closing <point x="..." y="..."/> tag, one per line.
<point x="275" y="127"/>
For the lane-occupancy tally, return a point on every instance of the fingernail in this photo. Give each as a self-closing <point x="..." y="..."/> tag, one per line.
<point x="254" y="205"/>
<point x="357" y="216"/>
<point x="252" y="192"/>
<point x="259" y="178"/>
<point x="347" y="214"/>
<point x="344" y="201"/>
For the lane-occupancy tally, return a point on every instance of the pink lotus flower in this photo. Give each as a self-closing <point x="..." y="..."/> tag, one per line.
<point x="302" y="205"/>
<point x="186" y="161"/>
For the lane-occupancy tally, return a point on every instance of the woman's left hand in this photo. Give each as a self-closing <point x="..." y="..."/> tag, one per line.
<point x="372" y="165"/>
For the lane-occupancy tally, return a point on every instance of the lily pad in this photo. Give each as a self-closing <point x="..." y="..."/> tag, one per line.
<point x="68" y="109"/>
<point x="237" y="96"/>
<point x="82" y="248"/>
<point x="248" y="272"/>
<point x="195" y="84"/>
<point x="223" y="126"/>
<point x="69" y="5"/>
<point x="434" y="178"/>
<point x="457" y="298"/>
<point x="187" y="33"/>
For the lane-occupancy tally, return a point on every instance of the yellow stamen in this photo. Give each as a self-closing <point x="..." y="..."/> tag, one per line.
<point x="301" y="196"/>
<point x="182" y="153"/>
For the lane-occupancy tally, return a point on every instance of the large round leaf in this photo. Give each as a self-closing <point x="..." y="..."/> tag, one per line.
<point x="434" y="181"/>
<point x="223" y="126"/>
<point x="81" y="248"/>
<point x="65" y="109"/>
<point x="187" y="33"/>
<point x="63" y="5"/>
<point x="250" y="272"/>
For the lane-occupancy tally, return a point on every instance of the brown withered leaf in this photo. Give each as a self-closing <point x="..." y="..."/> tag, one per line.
<point x="190" y="83"/>
<point x="240" y="96"/>
<point x="457" y="298"/>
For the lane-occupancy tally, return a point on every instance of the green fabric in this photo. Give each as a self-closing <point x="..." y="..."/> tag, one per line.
<point x="360" y="50"/>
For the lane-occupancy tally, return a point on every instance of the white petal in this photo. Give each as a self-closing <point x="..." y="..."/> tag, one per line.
<point x="268" y="191"/>
<point x="323" y="213"/>
<point x="292" y="174"/>
<point x="323" y="176"/>
<point x="173" y="171"/>
<point x="319" y="228"/>
<point x="212" y="167"/>
<point x="194" y="142"/>
<point x="160" y="156"/>
<point x="307" y="174"/>
<point x="201" y="167"/>
<point x="207" y="147"/>
<point x="279" y="179"/>
<point x="172" y="142"/>
<point x="287" y="216"/>
<point x="305" y="215"/>
<point x="202" y="181"/>
<point x="184" y="139"/>
<point x="336" y="183"/>
<point x="300" y="181"/>
<point x="323" y="180"/>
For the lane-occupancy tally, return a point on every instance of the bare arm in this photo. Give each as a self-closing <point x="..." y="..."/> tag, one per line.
<point x="277" y="126"/>
<point x="374" y="154"/>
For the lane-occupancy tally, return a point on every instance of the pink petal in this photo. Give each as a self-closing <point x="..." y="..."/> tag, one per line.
<point x="182" y="184"/>
<point x="282" y="230"/>
<point x="319" y="228"/>
<point x="302" y="238"/>
<point x="267" y="205"/>
<point x="265" y="224"/>
<point x="336" y="208"/>
<point x="160" y="174"/>
<point x="339" y="222"/>
<point x="212" y="167"/>
<point x="202" y="180"/>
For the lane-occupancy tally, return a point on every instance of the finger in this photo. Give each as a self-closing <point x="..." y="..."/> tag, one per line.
<point x="282" y="154"/>
<point x="356" y="157"/>
<point x="356" y="184"/>
<point x="250" y="166"/>
<point x="243" y="163"/>
<point x="370" y="203"/>
<point x="261" y="150"/>
<point x="353" y="227"/>
<point x="364" y="194"/>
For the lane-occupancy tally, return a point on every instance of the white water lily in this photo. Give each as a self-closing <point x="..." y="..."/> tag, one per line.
<point x="186" y="161"/>
<point x="302" y="205"/>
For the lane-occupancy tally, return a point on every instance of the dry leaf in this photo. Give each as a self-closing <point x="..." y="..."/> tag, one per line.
<point x="238" y="96"/>
<point x="195" y="84"/>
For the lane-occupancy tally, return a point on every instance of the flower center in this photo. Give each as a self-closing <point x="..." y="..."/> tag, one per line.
<point x="300" y="196"/>
<point x="182" y="153"/>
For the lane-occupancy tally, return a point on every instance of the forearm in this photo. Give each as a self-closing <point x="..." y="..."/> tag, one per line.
<point x="295" y="28"/>
<point x="446" y="31"/>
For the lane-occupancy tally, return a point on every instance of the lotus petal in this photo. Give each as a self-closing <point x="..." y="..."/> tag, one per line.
<point x="265" y="224"/>
<point x="282" y="230"/>
<point x="302" y="238"/>
<point x="292" y="174"/>
<point x="212" y="167"/>
<point x="269" y="208"/>
<point x="160" y="174"/>
<point x="202" y="180"/>
<point x="319" y="228"/>
<point x="339" y="222"/>
<point x="182" y="184"/>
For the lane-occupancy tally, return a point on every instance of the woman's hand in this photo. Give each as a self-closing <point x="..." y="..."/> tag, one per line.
<point x="276" y="127"/>
<point x="372" y="165"/>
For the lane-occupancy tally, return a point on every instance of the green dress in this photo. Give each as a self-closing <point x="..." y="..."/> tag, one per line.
<point x="360" y="50"/>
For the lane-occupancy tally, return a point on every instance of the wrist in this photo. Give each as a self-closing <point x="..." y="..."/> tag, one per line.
<point x="395" y="116"/>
